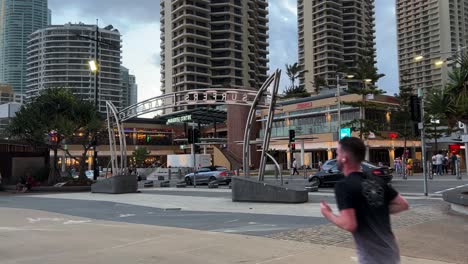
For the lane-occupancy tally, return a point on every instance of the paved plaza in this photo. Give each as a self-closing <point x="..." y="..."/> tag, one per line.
<point x="200" y="225"/>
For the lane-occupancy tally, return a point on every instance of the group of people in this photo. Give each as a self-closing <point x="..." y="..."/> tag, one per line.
<point x="403" y="165"/>
<point x="441" y="163"/>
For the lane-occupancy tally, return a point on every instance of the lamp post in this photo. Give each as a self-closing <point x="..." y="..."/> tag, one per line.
<point x="94" y="67"/>
<point x="437" y="63"/>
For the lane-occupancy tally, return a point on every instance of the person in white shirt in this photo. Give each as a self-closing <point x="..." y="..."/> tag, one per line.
<point x="439" y="161"/>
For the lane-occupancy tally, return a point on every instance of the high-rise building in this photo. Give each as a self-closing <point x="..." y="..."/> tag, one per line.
<point x="129" y="87"/>
<point x="429" y="33"/>
<point x="333" y="36"/>
<point x="59" y="55"/>
<point x="18" y="19"/>
<point x="8" y="96"/>
<point x="220" y="43"/>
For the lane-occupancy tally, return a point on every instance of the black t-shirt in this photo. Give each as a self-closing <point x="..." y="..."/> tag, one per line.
<point x="370" y="197"/>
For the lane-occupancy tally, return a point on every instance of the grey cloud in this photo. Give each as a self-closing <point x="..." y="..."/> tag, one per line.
<point x="282" y="39"/>
<point x="387" y="58"/>
<point x="136" y="11"/>
<point x="156" y="59"/>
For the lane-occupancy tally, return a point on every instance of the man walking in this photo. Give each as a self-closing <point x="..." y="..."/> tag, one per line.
<point x="439" y="162"/>
<point x="365" y="205"/>
<point x="294" y="166"/>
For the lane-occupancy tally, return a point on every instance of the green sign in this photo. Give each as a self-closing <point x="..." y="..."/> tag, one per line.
<point x="345" y="132"/>
<point x="179" y="119"/>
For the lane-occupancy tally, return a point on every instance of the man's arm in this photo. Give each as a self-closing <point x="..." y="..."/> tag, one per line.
<point x="345" y="220"/>
<point x="398" y="204"/>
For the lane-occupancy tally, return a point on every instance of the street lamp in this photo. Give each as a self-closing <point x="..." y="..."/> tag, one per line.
<point x="93" y="66"/>
<point x="437" y="63"/>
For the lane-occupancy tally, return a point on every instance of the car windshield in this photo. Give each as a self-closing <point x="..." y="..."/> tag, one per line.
<point x="370" y="165"/>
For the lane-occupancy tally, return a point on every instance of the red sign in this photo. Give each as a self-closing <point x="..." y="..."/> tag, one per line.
<point x="392" y="135"/>
<point x="303" y="105"/>
<point x="454" y="147"/>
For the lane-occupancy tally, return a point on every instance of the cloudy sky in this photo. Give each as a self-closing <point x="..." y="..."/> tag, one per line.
<point x="138" y="22"/>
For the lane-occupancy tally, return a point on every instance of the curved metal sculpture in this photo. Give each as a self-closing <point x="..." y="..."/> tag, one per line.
<point x="264" y="98"/>
<point x="273" y="79"/>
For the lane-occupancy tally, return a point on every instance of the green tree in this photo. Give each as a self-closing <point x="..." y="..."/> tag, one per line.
<point x="52" y="118"/>
<point x="366" y="72"/>
<point x="294" y="71"/>
<point x="139" y="156"/>
<point x="296" y="92"/>
<point x="401" y="115"/>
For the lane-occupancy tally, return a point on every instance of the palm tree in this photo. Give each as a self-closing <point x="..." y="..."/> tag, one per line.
<point x="294" y="71"/>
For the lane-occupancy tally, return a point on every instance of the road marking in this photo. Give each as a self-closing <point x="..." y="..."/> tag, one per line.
<point x="126" y="215"/>
<point x="449" y="189"/>
<point x="232" y="221"/>
<point x="6" y="228"/>
<point x="35" y="220"/>
<point x="73" y="222"/>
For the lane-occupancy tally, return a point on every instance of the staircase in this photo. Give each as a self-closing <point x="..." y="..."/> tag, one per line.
<point x="236" y="162"/>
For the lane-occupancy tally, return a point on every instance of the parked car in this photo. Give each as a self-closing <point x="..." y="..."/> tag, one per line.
<point x="205" y="175"/>
<point x="333" y="175"/>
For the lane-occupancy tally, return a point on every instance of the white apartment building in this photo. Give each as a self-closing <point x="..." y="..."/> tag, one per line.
<point x="430" y="32"/>
<point x="59" y="55"/>
<point x="333" y="35"/>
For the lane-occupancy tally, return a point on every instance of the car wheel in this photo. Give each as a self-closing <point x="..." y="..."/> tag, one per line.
<point x="188" y="181"/>
<point x="315" y="181"/>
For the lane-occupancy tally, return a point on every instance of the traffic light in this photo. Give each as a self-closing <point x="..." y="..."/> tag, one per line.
<point x="196" y="136"/>
<point x="193" y="136"/>
<point x="293" y="146"/>
<point x="148" y="138"/>
<point x="415" y="108"/>
<point x="292" y="135"/>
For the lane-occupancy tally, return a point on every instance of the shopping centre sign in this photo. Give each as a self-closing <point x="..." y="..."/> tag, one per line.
<point x="218" y="96"/>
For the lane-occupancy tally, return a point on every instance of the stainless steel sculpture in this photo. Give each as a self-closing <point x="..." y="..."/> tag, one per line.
<point x="264" y="98"/>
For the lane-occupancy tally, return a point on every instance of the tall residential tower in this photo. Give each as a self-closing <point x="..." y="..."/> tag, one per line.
<point x="59" y="55"/>
<point x="216" y="43"/>
<point x="430" y="32"/>
<point x="333" y="36"/>
<point x="18" y="19"/>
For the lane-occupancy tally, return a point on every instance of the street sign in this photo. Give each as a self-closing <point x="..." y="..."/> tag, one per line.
<point x="345" y="132"/>
<point x="465" y="138"/>
<point x="461" y="125"/>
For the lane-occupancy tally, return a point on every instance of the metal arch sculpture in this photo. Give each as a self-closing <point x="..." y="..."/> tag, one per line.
<point x="118" y="168"/>
<point x="266" y="87"/>
<point x="264" y="98"/>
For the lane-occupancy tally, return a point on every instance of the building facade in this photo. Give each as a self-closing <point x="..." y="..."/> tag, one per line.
<point x="429" y="33"/>
<point x="333" y="36"/>
<point x="220" y="43"/>
<point x="129" y="88"/>
<point x="315" y="121"/>
<point x="59" y="55"/>
<point x="8" y="96"/>
<point x="18" y="19"/>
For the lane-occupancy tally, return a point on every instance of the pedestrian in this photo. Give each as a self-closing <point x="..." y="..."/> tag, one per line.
<point x="398" y="166"/>
<point x="294" y="167"/>
<point x="434" y="165"/>
<point x="409" y="167"/>
<point x="439" y="163"/>
<point x="320" y="165"/>
<point x="454" y="163"/>
<point x="365" y="204"/>
<point x="445" y="164"/>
